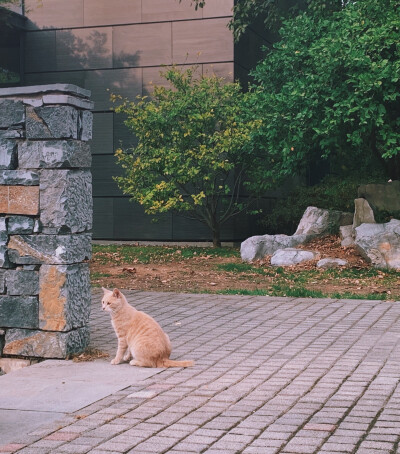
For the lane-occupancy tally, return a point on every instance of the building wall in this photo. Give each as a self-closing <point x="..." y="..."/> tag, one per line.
<point x="119" y="47"/>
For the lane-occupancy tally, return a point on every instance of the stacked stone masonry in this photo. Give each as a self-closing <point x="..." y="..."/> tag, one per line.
<point x="45" y="220"/>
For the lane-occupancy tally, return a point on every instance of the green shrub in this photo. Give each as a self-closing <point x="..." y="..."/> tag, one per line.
<point x="333" y="193"/>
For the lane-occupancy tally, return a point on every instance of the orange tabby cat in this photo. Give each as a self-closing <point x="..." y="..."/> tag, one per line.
<point x="140" y="338"/>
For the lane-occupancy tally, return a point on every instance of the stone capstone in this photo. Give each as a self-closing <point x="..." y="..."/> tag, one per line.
<point x="317" y="221"/>
<point x="379" y="244"/>
<point x="11" y="113"/>
<point x="66" y="201"/>
<point x="22" y="282"/>
<point x="45" y="344"/>
<point x="384" y="196"/>
<point x="257" y="247"/>
<point x="20" y="224"/>
<point x="329" y="262"/>
<point x="292" y="256"/>
<point x="49" y="249"/>
<point x="64" y="297"/>
<point x="363" y="213"/>
<point x="8" y="155"/>
<point x="19" y="312"/>
<point x="54" y="154"/>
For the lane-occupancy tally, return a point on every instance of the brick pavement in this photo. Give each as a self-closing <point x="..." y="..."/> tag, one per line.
<point x="272" y="375"/>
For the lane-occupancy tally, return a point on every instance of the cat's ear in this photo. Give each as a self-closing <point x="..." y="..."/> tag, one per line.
<point x="105" y="290"/>
<point x="116" y="293"/>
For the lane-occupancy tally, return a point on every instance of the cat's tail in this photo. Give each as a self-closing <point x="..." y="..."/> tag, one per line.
<point x="172" y="363"/>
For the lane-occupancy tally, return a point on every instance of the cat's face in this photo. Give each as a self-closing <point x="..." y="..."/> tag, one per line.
<point x="111" y="299"/>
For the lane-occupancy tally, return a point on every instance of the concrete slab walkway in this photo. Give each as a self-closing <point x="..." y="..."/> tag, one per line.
<point x="272" y="375"/>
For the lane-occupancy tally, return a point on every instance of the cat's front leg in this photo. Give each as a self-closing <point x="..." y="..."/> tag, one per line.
<point x="122" y="346"/>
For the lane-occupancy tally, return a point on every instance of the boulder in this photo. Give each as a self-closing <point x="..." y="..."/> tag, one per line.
<point x="379" y="244"/>
<point x="346" y="235"/>
<point x="330" y="262"/>
<point x="363" y="213"/>
<point x="292" y="256"/>
<point x="384" y="196"/>
<point x="257" y="247"/>
<point x="317" y="221"/>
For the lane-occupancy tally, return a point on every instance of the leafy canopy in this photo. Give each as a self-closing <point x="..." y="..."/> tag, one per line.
<point x="191" y="154"/>
<point x="271" y="11"/>
<point x="330" y="88"/>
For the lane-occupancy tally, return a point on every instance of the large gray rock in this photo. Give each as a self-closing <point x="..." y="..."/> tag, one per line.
<point x="64" y="297"/>
<point x="22" y="282"/>
<point x="384" y="196"/>
<point x="49" y="249"/>
<point x="11" y="113"/>
<point x="53" y="154"/>
<point x="317" y="221"/>
<point x="292" y="256"/>
<point x="380" y="244"/>
<point x="346" y="235"/>
<point x="8" y="155"/>
<point x="52" y="122"/>
<point x="66" y="203"/>
<point x="19" y="312"/>
<point x="257" y="247"/>
<point x="330" y="262"/>
<point x="363" y="213"/>
<point x="45" y="344"/>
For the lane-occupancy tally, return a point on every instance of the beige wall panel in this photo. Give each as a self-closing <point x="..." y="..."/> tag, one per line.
<point x="40" y="51"/>
<point x="54" y="13"/>
<point x="163" y="10"/>
<point x="151" y="77"/>
<point x="203" y="41"/>
<point x="224" y="70"/>
<point x="125" y="82"/>
<point x="106" y="12"/>
<point x="142" y="45"/>
<point x="89" y="48"/>
<point x="218" y="8"/>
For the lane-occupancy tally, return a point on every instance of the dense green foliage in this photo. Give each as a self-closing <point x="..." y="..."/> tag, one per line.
<point x="191" y="154"/>
<point x="332" y="193"/>
<point x="271" y="11"/>
<point x="330" y="89"/>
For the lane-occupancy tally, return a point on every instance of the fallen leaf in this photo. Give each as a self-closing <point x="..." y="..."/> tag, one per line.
<point x="129" y="270"/>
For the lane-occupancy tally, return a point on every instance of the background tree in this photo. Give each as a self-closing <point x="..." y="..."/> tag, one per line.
<point x="330" y="89"/>
<point x="191" y="155"/>
<point x="271" y="11"/>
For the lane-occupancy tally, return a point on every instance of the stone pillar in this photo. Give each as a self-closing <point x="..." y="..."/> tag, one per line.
<point x="45" y="220"/>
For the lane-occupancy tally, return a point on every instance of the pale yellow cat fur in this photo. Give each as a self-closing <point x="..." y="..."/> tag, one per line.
<point x="140" y="338"/>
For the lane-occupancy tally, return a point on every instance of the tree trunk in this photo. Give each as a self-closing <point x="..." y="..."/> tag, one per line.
<point x="216" y="234"/>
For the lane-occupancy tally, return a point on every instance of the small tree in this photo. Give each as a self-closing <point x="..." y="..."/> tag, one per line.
<point x="191" y="155"/>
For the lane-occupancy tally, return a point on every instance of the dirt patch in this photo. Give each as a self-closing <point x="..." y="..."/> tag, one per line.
<point x="209" y="273"/>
